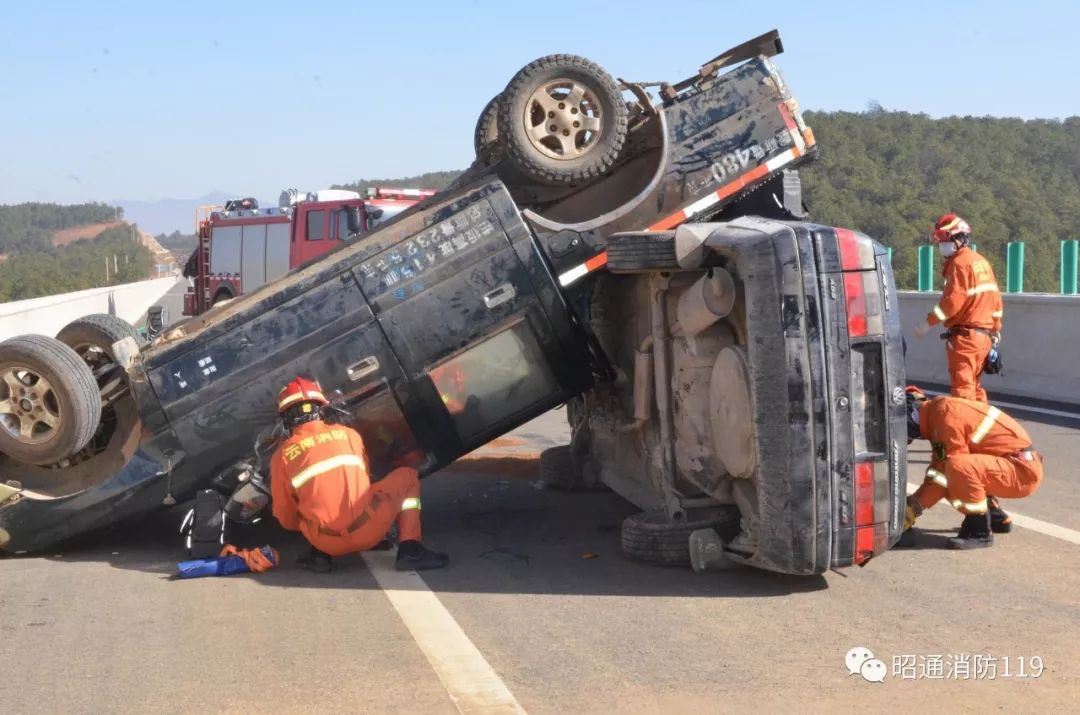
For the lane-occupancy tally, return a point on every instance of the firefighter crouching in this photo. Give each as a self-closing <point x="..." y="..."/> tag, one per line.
<point x="976" y="450"/>
<point x="320" y="487"/>
<point x="971" y="308"/>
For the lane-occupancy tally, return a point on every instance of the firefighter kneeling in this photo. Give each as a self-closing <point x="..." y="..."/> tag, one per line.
<point x="321" y="488"/>
<point x="977" y="450"/>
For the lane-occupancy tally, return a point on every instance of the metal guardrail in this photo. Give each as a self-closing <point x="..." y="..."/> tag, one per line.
<point x="1014" y="267"/>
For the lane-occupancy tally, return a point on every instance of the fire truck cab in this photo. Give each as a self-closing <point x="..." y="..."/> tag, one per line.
<point x="242" y="246"/>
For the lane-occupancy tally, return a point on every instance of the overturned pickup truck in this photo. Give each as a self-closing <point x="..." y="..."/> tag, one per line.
<point x="731" y="369"/>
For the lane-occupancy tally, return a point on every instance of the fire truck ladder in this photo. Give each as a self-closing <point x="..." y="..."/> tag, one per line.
<point x="202" y="233"/>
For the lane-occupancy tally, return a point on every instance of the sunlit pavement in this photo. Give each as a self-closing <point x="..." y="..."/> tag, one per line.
<point x="539" y="606"/>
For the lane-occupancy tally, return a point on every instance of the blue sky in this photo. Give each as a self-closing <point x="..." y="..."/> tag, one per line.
<point x="107" y="100"/>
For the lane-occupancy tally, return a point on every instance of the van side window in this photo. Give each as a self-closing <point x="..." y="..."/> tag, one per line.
<point x="316" y="229"/>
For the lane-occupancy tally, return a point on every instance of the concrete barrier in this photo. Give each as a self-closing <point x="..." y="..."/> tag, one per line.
<point x="47" y="315"/>
<point x="1040" y="346"/>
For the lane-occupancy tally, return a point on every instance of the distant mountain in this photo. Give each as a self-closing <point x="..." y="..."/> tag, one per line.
<point x="168" y="215"/>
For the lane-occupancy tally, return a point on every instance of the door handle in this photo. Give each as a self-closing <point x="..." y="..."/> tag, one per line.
<point x="363" y="368"/>
<point x="500" y="295"/>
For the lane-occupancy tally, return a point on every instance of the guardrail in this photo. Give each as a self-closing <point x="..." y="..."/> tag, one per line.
<point x="47" y="315"/>
<point x="1014" y="267"/>
<point x="1040" y="346"/>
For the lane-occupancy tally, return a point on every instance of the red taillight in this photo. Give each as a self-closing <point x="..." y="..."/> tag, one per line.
<point x="862" y="290"/>
<point x="871" y="509"/>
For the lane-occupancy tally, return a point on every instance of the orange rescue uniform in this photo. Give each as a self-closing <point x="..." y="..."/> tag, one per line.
<point x="970" y="299"/>
<point x="976" y="449"/>
<point x="320" y="486"/>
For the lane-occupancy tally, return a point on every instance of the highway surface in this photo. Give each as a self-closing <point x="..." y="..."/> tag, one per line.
<point x="539" y="612"/>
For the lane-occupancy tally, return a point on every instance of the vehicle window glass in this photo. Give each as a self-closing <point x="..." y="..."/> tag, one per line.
<point x="341" y="216"/>
<point x="502" y="375"/>
<point x="315" y="229"/>
<point x="388" y="440"/>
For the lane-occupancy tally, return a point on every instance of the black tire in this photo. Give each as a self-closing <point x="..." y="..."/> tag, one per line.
<point x="564" y="472"/>
<point x="487" y="126"/>
<point x="641" y="253"/>
<point x="73" y="399"/>
<point x="596" y="158"/>
<point x="99" y="331"/>
<point x="220" y="297"/>
<point x="650" y="538"/>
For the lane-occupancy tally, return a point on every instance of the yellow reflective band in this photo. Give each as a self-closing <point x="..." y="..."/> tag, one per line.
<point x="951" y="225"/>
<point x="997" y="314"/>
<point x="933" y="475"/>
<point x="985" y="425"/>
<point x="978" y="507"/>
<point x="410" y="503"/>
<point x="983" y="288"/>
<point x="342" y="460"/>
<point x="940" y="313"/>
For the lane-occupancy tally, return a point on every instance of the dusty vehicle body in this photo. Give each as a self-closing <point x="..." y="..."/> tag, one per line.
<point x="718" y="356"/>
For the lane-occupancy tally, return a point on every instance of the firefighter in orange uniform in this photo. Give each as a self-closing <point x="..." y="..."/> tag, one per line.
<point x="976" y="449"/>
<point x="320" y="487"/>
<point x="970" y="308"/>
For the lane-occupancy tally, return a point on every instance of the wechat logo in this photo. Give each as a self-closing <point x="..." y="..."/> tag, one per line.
<point x="861" y="661"/>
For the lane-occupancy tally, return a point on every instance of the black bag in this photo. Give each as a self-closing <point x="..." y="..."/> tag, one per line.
<point x="993" y="362"/>
<point x="204" y="526"/>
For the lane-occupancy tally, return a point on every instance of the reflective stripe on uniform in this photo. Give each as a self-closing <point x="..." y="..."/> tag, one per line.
<point x="410" y="503"/>
<point x="985" y="425"/>
<point x="341" y="460"/>
<point x="977" y="507"/>
<point x="983" y="288"/>
<point x="940" y="313"/>
<point x="997" y="314"/>
<point x="933" y="475"/>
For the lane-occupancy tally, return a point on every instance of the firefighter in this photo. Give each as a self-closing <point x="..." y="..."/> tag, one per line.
<point x="976" y="449"/>
<point x="320" y="487"/>
<point x="970" y="308"/>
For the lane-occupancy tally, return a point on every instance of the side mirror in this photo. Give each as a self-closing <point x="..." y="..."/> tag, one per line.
<point x="352" y="219"/>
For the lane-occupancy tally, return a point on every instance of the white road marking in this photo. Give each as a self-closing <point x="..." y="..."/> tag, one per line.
<point x="473" y="685"/>
<point x="1030" y="522"/>
<point x="1025" y="408"/>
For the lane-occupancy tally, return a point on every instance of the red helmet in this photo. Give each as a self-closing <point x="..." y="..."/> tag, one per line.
<point x="300" y="390"/>
<point x="949" y="227"/>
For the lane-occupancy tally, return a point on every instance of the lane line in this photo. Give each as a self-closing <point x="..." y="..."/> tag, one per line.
<point x="471" y="682"/>
<point x="1030" y="522"/>
<point x="1024" y="408"/>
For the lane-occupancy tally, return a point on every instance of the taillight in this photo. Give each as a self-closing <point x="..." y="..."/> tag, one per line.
<point x="862" y="289"/>
<point x="872" y="509"/>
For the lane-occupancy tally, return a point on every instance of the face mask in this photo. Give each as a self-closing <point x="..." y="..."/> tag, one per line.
<point x="947" y="249"/>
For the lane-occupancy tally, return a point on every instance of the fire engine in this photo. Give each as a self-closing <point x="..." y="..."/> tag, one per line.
<point x="242" y="246"/>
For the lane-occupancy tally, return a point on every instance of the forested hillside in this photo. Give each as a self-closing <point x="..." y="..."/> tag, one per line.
<point x="29" y="226"/>
<point x="891" y="174"/>
<point x="76" y="266"/>
<point x="432" y="180"/>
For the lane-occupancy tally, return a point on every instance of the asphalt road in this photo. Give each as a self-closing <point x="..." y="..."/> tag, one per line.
<point x="562" y="622"/>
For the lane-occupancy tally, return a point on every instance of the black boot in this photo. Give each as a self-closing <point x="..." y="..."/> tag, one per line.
<point x="414" y="556"/>
<point x="316" y="561"/>
<point x="974" y="533"/>
<point x="1000" y="521"/>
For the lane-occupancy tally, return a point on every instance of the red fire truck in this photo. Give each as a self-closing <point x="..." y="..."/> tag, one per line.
<point x="241" y="246"/>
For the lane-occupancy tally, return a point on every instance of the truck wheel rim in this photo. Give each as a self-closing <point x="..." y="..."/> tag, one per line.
<point x="563" y="119"/>
<point x="29" y="407"/>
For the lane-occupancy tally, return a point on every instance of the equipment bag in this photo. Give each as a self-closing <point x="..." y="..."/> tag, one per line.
<point x="204" y="525"/>
<point x="993" y="363"/>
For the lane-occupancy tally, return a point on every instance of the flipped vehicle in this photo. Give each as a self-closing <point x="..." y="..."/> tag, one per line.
<point x="730" y="368"/>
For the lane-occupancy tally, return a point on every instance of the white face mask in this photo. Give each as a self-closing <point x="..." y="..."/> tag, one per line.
<point x="947" y="248"/>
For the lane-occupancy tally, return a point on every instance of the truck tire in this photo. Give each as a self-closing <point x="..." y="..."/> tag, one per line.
<point x="564" y="472"/>
<point x="97" y="332"/>
<point x="53" y="404"/>
<point x="641" y="253"/>
<point x="650" y="538"/>
<point x="562" y="120"/>
<point x="487" y="126"/>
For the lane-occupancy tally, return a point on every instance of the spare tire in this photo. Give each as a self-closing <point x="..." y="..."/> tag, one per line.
<point x="562" y="120"/>
<point x="649" y="537"/>
<point x="97" y="333"/>
<point x="487" y="127"/>
<point x="49" y="400"/>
